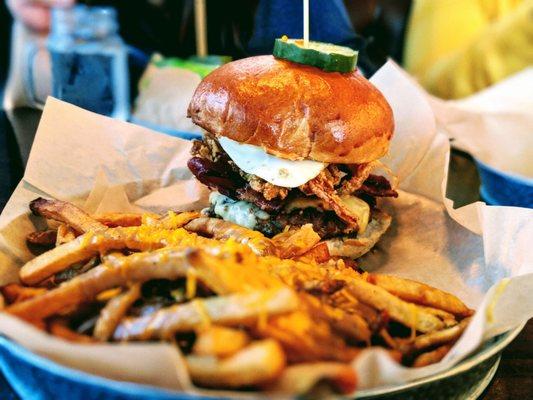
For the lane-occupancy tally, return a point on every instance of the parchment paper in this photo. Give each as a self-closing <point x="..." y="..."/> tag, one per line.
<point x="106" y="165"/>
<point x="494" y="125"/>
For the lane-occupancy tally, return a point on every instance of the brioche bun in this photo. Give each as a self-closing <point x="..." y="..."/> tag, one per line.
<point x="295" y="111"/>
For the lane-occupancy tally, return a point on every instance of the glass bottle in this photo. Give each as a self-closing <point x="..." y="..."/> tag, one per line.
<point x="89" y="60"/>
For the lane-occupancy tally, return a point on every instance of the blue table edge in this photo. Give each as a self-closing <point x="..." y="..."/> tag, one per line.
<point x="127" y="388"/>
<point x="136" y="390"/>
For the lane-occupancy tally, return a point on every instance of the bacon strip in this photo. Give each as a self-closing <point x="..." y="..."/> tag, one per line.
<point x="220" y="176"/>
<point x="216" y="175"/>
<point x="323" y="189"/>
<point x="360" y="172"/>
<point x="377" y="186"/>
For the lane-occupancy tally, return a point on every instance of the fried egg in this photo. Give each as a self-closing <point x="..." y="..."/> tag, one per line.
<point x="278" y="171"/>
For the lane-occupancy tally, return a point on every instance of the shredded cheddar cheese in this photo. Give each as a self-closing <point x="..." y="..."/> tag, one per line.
<point x="87" y="238"/>
<point x="262" y="320"/>
<point x="108" y="294"/>
<point x="191" y="284"/>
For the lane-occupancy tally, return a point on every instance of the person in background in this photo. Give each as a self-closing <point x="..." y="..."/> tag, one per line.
<point x="459" y="47"/>
<point x="35" y="14"/>
<point x="5" y="23"/>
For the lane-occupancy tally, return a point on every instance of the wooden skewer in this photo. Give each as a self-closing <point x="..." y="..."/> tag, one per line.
<point x="200" y="21"/>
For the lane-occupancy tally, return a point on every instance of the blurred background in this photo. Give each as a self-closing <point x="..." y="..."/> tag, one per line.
<point x="141" y="60"/>
<point x="5" y="27"/>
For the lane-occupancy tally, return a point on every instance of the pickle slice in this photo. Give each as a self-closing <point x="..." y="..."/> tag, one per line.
<point x="326" y="56"/>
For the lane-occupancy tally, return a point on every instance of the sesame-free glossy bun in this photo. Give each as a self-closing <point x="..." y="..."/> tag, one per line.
<point x="295" y="111"/>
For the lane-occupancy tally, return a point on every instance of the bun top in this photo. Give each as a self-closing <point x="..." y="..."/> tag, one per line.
<point x="295" y="111"/>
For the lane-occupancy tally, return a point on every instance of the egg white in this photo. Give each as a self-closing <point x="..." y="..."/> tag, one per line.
<point x="278" y="171"/>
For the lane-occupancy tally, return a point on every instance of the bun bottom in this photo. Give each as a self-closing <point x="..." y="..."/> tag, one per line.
<point x="350" y="247"/>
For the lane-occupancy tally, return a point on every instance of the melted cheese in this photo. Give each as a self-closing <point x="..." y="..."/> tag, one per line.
<point x="355" y="205"/>
<point x="108" y="294"/>
<point x="495" y="297"/>
<point x="301" y="203"/>
<point x="358" y="207"/>
<point x="278" y="171"/>
<point x="190" y="285"/>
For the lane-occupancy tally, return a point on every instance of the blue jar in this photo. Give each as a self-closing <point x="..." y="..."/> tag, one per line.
<point x="89" y="60"/>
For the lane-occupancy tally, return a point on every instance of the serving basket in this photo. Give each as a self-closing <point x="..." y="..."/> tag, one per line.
<point x="35" y="377"/>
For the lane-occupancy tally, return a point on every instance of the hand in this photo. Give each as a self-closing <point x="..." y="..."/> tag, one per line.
<point x="35" y="14"/>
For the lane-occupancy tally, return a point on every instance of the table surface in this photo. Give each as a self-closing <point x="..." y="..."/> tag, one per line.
<point x="514" y="378"/>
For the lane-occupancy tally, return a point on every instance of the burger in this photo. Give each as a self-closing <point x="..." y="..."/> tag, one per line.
<point x="288" y="144"/>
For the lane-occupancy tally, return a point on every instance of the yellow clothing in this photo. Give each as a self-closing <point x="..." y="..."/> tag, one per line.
<point x="458" y="47"/>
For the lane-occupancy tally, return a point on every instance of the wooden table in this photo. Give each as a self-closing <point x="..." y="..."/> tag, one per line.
<point x="514" y="378"/>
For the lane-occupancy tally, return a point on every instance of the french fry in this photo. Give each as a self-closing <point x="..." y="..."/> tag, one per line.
<point x="91" y="244"/>
<point x="343" y="300"/>
<point x="408" y="314"/>
<point x="303" y="303"/>
<point x="367" y="293"/>
<point x="224" y="230"/>
<point x="14" y="293"/>
<point x="111" y="257"/>
<point x="446" y="317"/>
<point x="236" y="309"/>
<point x="70" y="273"/>
<point x="317" y="254"/>
<point x="294" y="243"/>
<point x="219" y="341"/>
<point x="173" y="220"/>
<point x="260" y="362"/>
<point x="420" y="293"/>
<point x="58" y="328"/>
<point x="42" y="238"/>
<point x="434" y="338"/>
<point x="301" y="378"/>
<point x="225" y="274"/>
<point x="350" y="325"/>
<point x="65" y="234"/>
<point x="431" y="357"/>
<point x="114" y="311"/>
<point x="306" y="338"/>
<point x="388" y="339"/>
<point x="67" y="213"/>
<point x="165" y="264"/>
<point x="114" y="220"/>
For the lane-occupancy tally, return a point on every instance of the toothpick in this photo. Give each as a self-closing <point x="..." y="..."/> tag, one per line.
<point x="306" y="23"/>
